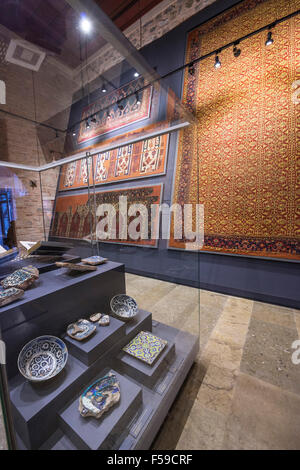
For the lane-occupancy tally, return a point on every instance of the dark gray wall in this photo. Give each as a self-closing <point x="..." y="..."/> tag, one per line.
<point x="267" y="280"/>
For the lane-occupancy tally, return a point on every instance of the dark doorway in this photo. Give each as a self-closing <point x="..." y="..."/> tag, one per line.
<point x="7" y="222"/>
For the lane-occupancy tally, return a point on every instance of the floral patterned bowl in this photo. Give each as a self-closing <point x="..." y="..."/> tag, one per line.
<point x="42" y="358"/>
<point x="124" y="307"/>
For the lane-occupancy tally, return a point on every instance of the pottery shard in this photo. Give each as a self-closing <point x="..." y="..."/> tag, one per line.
<point x="10" y="295"/>
<point x="21" y="279"/>
<point x="104" y="320"/>
<point x="100" y="396"/>
<point x="95" y="317"/>
<point x="75" y="267"/>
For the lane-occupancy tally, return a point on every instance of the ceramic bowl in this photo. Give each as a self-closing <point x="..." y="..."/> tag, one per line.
<point x="42" y="358"/>
<point x="124" y="307"/>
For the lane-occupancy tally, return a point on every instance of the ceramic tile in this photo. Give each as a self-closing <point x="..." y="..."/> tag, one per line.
<point x="146" y="347"/>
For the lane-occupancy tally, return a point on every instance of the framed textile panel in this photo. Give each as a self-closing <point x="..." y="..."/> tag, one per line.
<point x="139" y="160"/>
<point x="74" y="215"/>
<point x="112" y="114"/>
<point x="241" y="160"/>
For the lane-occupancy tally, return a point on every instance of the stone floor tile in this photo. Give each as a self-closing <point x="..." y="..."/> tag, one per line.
<point x="267" y="355"/>
<point x="204" y="430"/>
<point x="263" y="417"/>
<point x="217" y="388"/>
<point x="274" y="314"/>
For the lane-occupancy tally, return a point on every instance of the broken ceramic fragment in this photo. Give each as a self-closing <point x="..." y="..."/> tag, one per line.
<point x="100" y="396"/>
<point x="95" y="317"/>
<point x="94" y="260"/>
<point x="81" y="330"/>
<point x="104" y="320"/>
<point x="10" y="295"/>
<point x="21" y="279"/>
<point x="75" y="266"/>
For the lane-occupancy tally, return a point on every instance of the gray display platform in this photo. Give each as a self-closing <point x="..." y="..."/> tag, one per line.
<point x="89" y="350"/>
<point x="94" y="434"/>
<point x="42" y="263"/>
<point x="148" y="391"/>
<point x="143" y="372"/>
<point x="56" y="300"/>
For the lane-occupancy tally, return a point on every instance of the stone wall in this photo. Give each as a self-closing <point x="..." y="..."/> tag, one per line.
<point x="38" y="96"/>
<point x="160" y="20"/>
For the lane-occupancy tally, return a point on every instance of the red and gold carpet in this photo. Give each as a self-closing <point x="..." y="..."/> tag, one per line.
<point x="139" y="160"/>
<point x="74" y="214"/>
<point x="241" y="159"/>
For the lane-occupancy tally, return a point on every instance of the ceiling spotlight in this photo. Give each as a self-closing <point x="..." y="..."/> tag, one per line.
<point x="73" y="132"/>
<point x="137" y="98"/>
<point x="87" y="124"/>
<point x="120" y="106"/>
<point x="191" y="69"/>
<point x="136" y="74"/>
<point x="103" y="89"/>
<point x="269" y="40"/>
<point x="94" y="120"/>
<point x="236" y="50"/>
<point x="85" y="25"/>
<point x="217" y="62"/>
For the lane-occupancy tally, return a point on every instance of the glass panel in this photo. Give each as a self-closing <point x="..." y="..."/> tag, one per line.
<point x="88" y="158"/>
<point x="83" y="88"/>
<point x="3" y="438"/>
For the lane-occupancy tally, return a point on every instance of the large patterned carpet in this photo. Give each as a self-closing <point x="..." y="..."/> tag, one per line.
<point x="242" y="158"/>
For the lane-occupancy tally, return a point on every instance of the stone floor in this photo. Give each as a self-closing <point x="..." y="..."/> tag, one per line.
<point x="243" y="391"/>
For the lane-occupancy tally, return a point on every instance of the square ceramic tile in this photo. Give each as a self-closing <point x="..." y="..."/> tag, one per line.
<point x="146" y="347"/>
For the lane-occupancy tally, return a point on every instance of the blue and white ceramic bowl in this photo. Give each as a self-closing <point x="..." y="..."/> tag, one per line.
<point x="124" y="307"/>
<point x="42" y="358"/>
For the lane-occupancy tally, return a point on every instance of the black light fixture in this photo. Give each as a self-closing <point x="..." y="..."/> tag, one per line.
<point x="270" y="39"/>
<point x="217" y="64"/>
<point x="87" y="124"/>
<point x="73" y="132"/>
<point x="120" y="106"/>
<point x="137" y="98"/>
<point x="191" y="69"/>
<point x="56" y="134"/>
<point x="103" y="89"/>
<point x="85" y="24"/>
<point x="93" y="120"/>
<point x="236" y="50"/>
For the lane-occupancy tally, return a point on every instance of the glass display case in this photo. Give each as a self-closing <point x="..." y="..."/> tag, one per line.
<point x="120" y="122"/>
<point x="99" y="260"/>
